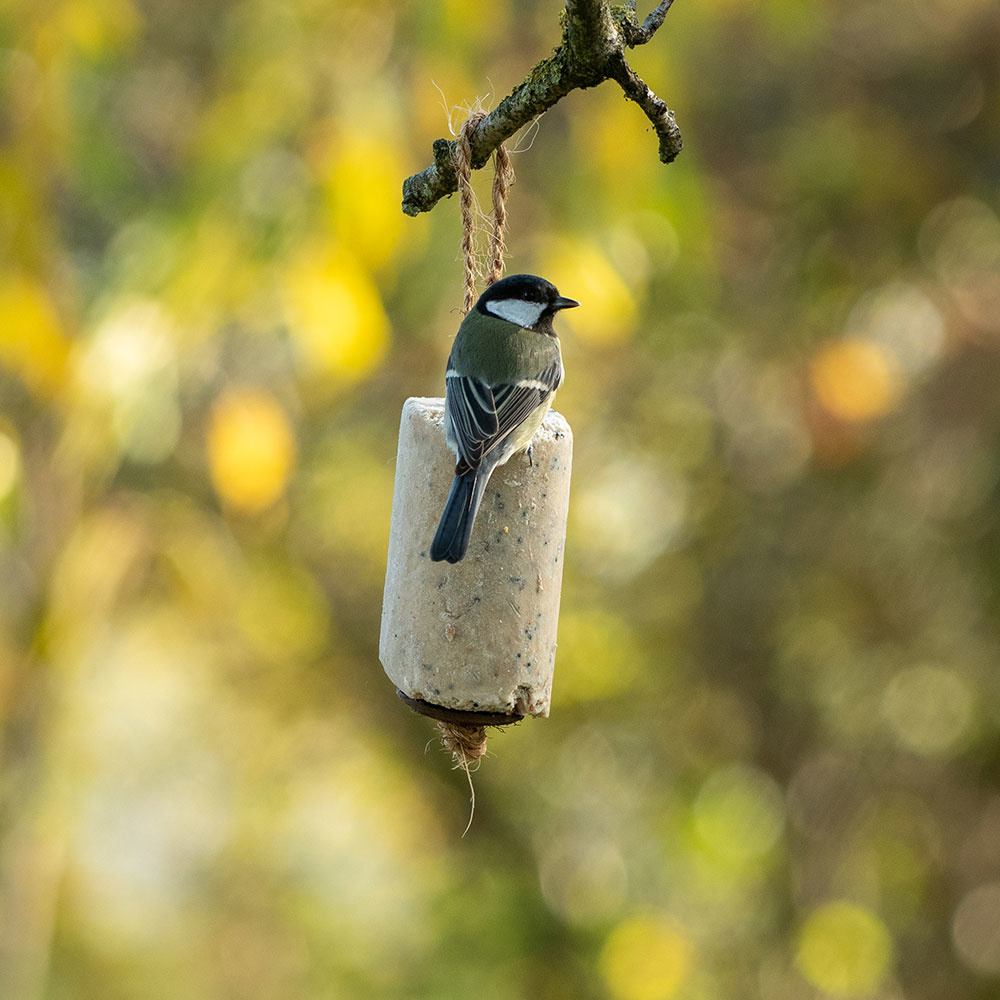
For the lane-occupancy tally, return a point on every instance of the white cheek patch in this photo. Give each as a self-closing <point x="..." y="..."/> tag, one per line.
<point x="516" y="311"/>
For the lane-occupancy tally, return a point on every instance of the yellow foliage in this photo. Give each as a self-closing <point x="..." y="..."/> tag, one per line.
<point x="844" y="949"/>
<point x="335" y="315"/>
<point x="267" y="100"/>
<point x="646" y="958"/>
<point x="856" y="379"/>
<point x="583" y="272"/>
<point x="251" y="449"/>
<point x="92" y="27"/>
<point x="216" y="277"/>
<point x="362" y="187"/>
<point x="33" y="343"/>
<point x="464" y="19"/>
<point x="10" y="464"/>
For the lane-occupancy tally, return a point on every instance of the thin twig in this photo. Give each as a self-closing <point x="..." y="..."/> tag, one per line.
<point x="653" y="23"/>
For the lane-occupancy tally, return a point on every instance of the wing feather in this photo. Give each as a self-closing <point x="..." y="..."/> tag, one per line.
<point x="482" y="417"/>
<point x="472" y="416"/>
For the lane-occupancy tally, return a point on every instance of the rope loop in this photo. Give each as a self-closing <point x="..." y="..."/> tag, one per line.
<point x="503" y="177"/>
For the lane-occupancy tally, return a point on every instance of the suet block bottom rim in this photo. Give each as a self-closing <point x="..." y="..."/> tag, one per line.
<point x="457" y="716"/>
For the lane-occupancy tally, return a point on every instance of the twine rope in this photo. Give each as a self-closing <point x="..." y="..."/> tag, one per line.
<point x="466" y="744"/>
<point x="503" y="177"/>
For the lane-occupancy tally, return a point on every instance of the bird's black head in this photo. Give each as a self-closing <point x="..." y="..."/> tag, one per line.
<point x="524" y="299"/>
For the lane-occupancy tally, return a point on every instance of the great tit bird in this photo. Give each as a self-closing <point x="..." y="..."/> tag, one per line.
<point x="503" y="371"/>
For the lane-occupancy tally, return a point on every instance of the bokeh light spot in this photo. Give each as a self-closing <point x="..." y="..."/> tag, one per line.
<point x="902" y="319"/>
<point x="976" y="929"/>
<point x="929" y="708"/>
<point x="844" y="949"/>
<point x="856" y="379"/>
<point x="131" y="364"/>
<point x="335" y="316"/>
<point x="251" y="449"/>
<point x="362" y="188"/>
<point x="129" y="347"/>
<point x="961" y="240"/>
<point x="582" y="880"/>
<point x="739" y="813"/>
<point x="626" y="515"/>
<point x="646" y="958"/>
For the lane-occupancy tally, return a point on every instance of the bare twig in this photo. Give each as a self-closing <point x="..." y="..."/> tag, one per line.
<point x="651" y="25"/>
<point x="595" y="37"/>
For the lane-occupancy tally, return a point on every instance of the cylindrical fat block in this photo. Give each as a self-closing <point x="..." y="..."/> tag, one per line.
<point x="478" y="635"/>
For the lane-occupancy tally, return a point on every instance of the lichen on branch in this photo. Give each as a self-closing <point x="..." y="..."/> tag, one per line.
<point x="595" y="35"/>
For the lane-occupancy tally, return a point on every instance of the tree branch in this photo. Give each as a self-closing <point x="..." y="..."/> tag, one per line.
<point x="594" y="40"/>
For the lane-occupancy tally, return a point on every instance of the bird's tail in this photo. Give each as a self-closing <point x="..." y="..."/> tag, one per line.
<point x="452" y="537"/>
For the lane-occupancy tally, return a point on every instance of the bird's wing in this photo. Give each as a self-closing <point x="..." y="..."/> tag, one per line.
<point x="483" y="416"/>
<point x="515" y="402"/>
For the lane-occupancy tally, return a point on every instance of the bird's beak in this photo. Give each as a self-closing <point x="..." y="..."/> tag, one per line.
<point x="563" y="303"/>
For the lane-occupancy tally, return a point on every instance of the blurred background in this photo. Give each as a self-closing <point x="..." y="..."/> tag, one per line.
<point x="772" y="765"/>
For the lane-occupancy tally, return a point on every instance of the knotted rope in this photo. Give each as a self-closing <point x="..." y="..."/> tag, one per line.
<point x="503" y="177"/>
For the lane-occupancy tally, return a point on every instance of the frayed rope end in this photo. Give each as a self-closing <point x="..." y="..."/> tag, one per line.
<point x="467" y="746"/>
